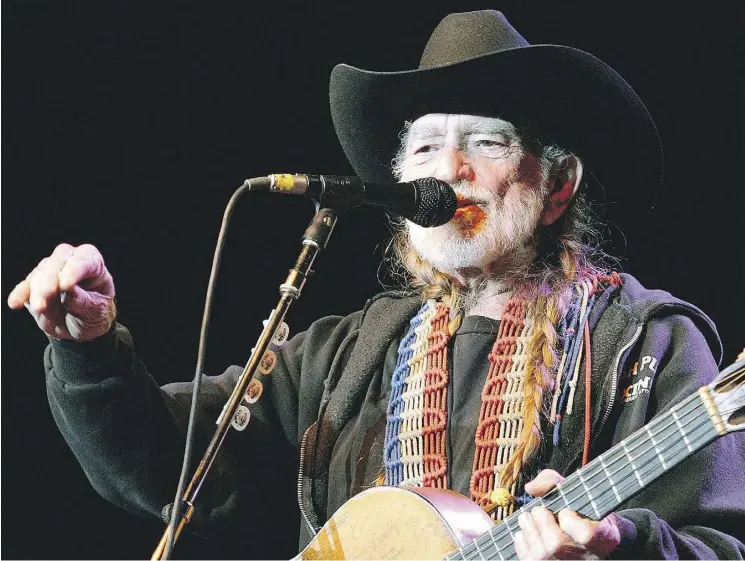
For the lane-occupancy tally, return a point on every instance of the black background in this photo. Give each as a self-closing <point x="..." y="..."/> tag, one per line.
<point x="129" y="124"/>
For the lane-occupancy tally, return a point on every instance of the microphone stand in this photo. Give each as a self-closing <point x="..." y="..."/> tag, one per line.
<point x="315" y="238"/>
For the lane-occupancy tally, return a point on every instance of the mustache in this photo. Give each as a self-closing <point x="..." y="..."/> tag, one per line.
<point x="464" y="189"/>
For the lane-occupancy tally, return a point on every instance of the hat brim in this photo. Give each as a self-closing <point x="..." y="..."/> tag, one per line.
<point x="574" y="98"/>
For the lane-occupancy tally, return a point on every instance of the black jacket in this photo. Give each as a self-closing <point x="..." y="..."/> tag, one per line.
<point x="127" y="432"/>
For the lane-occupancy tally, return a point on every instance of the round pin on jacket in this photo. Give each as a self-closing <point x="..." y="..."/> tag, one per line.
<point x="241" y="417"/>
<point x="281" y="335"/>
<point x="268" y="361"/>
<point x="254" y="391"/>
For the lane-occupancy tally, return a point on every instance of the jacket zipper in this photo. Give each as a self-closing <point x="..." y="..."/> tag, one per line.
<point x="301" y="470"/>
<point x="625" y="348"/>
<point x="614" y="380"/>
<point x="300" y="477"/>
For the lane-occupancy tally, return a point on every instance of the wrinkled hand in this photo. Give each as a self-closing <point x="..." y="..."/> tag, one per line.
<point x="566" y="536"/>
<point x="70" y="294"/>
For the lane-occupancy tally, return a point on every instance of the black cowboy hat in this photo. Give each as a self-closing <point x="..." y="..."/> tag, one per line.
<point x="477" y="63"/>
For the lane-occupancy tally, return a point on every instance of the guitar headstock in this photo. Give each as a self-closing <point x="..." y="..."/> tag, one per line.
<point x="728" y="393"/>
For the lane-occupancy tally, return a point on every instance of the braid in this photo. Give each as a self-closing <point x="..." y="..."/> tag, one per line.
<point x="542" y="356"/>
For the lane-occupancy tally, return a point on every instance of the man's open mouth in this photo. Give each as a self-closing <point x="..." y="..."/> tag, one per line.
<point x="464" y="201"/>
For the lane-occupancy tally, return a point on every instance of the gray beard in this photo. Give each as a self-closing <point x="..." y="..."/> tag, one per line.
<point x="505" y="248"/>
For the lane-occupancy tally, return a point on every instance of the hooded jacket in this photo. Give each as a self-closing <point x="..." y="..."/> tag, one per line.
<point x="649" y="351"/>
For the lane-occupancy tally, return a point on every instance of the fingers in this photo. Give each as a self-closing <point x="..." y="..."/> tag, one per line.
<point x="87" y="305"/>
<point x="541" y="536"/>
<point x="546" y="480"/>
<point x="579" y="529"/>
<point x="599" y="537"/>
<point x="19" y="295"/>
<point x="70" y="294"/>
<point x="64" y="269"/>
<point x="52" y="322"/>
<point x="528" y="541"/>
<point x="85" y="262"/>
<point x="521" y="546"/>
<point x="72" y="281"/>
<point x="44" y="281"/>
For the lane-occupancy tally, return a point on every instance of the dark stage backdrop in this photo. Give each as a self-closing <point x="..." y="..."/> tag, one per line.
<point x="129" y="124"/>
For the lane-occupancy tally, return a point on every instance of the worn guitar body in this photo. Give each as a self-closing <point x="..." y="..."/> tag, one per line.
<point x="399" y="523"/>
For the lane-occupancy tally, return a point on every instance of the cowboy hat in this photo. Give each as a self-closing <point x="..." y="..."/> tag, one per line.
<point x="477" y="63"/>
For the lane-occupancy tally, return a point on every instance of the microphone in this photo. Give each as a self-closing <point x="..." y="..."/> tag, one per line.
<point x="427" y="202"/>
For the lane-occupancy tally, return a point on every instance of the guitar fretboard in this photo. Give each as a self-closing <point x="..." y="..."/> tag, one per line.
<point x="613" y="477"/>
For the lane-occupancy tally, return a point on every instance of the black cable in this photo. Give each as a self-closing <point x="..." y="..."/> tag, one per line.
<point x="257" y="183"/>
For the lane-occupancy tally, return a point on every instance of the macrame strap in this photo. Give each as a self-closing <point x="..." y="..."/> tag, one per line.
<point x="500" y="418"/>
<point x="416" y="427"/>
<point x="414" y="451"/>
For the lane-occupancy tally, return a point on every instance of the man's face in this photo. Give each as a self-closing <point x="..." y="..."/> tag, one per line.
<point x="500" y="189"/>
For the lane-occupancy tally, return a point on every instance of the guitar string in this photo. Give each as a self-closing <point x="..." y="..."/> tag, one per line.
<point x="737" y="380"/>
<point x="648" y="472"/>
<point x="498" y="534"/>
<point x="654" y="425"/>
<point x="605" y="495"/>
<point x="646" y="469"/>
<point x="699" y="432"/>
<point x="661" y="425"/>
<point x="677" y="452"/>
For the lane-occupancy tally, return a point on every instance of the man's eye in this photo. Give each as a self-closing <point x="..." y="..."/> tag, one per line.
<point x="489" y="143"/>
<point x="424" y="149"/>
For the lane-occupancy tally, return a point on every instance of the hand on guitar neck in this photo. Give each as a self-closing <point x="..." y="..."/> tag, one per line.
<point x="567" y="535"/>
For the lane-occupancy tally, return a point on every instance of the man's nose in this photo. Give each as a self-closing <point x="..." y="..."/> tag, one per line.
<point x="453" y="165"/>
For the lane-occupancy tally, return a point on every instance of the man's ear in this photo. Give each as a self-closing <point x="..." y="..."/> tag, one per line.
<point x="564" y="185"/>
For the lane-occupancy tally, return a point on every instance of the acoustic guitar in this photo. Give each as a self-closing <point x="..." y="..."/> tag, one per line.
<point x="378" y="523"/>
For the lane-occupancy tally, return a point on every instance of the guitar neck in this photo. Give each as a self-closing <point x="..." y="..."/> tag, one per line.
<point x="598" y="488"/>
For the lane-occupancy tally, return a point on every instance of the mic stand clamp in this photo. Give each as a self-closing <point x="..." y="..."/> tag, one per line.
<point x="315" y="238"/>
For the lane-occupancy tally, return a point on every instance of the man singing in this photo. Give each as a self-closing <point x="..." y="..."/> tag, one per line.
<point x="514" y="353"/>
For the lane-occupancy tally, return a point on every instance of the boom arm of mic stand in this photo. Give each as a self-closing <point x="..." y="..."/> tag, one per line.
<point x="315" y="238"/>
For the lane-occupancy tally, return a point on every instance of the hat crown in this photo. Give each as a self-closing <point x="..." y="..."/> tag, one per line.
<point x="462" y="36"/>
<point x="476" y="63"/>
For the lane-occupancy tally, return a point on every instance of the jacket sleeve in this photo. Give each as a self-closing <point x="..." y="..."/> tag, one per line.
<point x="697" y="509"/>
<point x="128" y="433"/>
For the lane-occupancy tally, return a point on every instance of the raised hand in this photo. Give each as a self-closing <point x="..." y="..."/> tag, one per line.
<point x="70" y="294"/>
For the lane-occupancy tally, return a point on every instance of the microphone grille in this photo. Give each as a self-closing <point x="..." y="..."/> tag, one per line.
<point x="437" y="203"/>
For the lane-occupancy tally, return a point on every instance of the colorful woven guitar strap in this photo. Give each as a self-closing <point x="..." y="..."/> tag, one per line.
<point x="502" y="398"/>
<point x="415" y="453"/>
<point x="417" y="409"/>
<point x="415" y="450"/>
